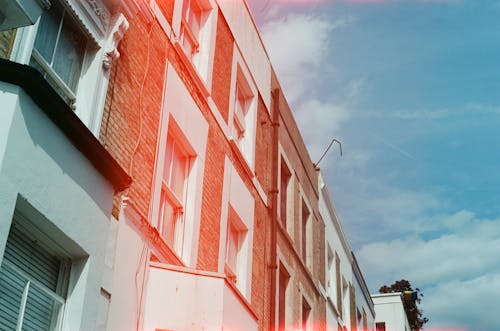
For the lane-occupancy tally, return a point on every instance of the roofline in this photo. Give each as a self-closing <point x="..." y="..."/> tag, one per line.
<point x="335" y="219"/>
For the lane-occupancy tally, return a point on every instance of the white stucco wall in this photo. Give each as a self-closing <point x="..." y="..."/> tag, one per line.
<point x="182" y="301"/>
<point x="389" y="309"/>
<point x="190" y="300"/>
<point x="45" y="178"/>
<point x="335" y="239"/>
<point x="362" y="304"/>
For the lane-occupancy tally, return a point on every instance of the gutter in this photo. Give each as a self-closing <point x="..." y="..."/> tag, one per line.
<point x="274" y="206"/>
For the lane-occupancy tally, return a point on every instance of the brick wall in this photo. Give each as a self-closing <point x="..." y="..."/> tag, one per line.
<point x="6" y="42"/>
<point x="223" y="59"/>
<point x="304" y="279"/>
<point x="131" y="117"/>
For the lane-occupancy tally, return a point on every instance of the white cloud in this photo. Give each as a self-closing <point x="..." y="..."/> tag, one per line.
<point x="299" y="47"/>
<point x="319" y="122"/>
<point x="458" y="269"/>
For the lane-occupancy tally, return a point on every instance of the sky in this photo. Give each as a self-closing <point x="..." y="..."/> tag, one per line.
<point x="411" y="89"/>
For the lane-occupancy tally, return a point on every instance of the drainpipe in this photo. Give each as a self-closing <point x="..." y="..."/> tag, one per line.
<point x="274" y="206"/>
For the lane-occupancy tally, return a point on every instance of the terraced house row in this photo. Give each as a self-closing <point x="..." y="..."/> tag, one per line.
<point x="152" y="177"/>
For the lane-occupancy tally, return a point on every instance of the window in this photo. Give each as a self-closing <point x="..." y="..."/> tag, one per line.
<point x="174" y="183"/>
<point x="59" y="51"/>
<point x="380" y="326"/>
<point x="7" y="43"/>
<point x="306" y="311"/>
<point x="345" y="299"/>
<point x="242" y="111"/>
<point x="194" y="16"/>
<point x="285" y="180"/>
<point x="365" y="322"/>
<point x="33" y="284"/>
<point x="284" y="279"/>
<point x="243" y="127"/>
<point x="305" y="227"/>
<point x="241" y="104"/>
<point x="234" y="243"/>
<point x="331" y="276"/>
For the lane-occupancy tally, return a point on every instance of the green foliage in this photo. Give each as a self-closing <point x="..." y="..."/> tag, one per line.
<point x="415" y="315"/>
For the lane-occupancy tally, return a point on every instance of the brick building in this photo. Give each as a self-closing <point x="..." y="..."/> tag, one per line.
<point x="171" y="188"/>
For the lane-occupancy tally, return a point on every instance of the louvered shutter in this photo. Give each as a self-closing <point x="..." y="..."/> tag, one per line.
<point x="25" y="260"/>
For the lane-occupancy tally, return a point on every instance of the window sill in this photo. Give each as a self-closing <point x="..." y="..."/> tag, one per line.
<point x="241" y="298"/>
<point x="230" y="275"/>
<point x="241" y="158"/>
<point x="332" y="305"/>
<point x="161" y="249"/>
<point x="193" y="72"/>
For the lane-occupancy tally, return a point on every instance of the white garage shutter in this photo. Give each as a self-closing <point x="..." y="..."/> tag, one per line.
<point x="30" y="280"/>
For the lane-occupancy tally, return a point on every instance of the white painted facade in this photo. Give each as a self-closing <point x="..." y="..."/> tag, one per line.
<point x="389" y="309"/>
<point x="102" y="31"/>
<point x="342" y="272"/>
<point x="51" y="193"/>
<point x="338" y="248"/>
<point x="365" y="310"/>
<point x="54" y="191"/>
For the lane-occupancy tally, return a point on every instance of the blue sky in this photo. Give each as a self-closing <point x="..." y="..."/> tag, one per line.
<point x="412" y="89"/>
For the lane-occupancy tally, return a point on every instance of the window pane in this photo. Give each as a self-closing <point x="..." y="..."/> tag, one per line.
<point x="168" y="220"/>
<point x="168" y="160"/>
<point x="232" y="248"/>
<point x="41" y="312"/>
<point x="284" y="180"/>
<point x="69" y="55"/>
<point x="178" y="173"/>
<point x="305" y="218"/>
<point x="46" y="36"/>
<point x="11" y="292"/>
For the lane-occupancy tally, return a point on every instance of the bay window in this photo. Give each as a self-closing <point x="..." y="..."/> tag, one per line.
<point x="59" y="51"/>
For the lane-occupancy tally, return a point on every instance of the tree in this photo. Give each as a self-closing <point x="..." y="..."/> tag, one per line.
<point x="410" y="301"/>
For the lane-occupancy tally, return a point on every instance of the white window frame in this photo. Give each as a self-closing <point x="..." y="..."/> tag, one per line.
<point x="68" y="270"/>
<point x="177" y="202"/>
<point x="103" y="31"/>
<point x="331" y="275"/>
<point x="237" y="200"/>
<point x="181" y="117"/>
<point x="31" y="282"/>
<point x="290" y="221"/>
<point x="306" y="239"/>
<point x="242" y="79"/>
<point x="345" y="300"/>
<point x="202" y="59"/>
<point x="235" y="273"/>
<point x="67" y="92"/>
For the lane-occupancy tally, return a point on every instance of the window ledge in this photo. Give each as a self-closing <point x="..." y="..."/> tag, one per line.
<point x="193" y="72"/>
<point x="49" y="101"/>
<point x="152" y="234"/>
<point x="332" y="305"/>
<point x="241" y="298"/>
<point x="241" y="158"/>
